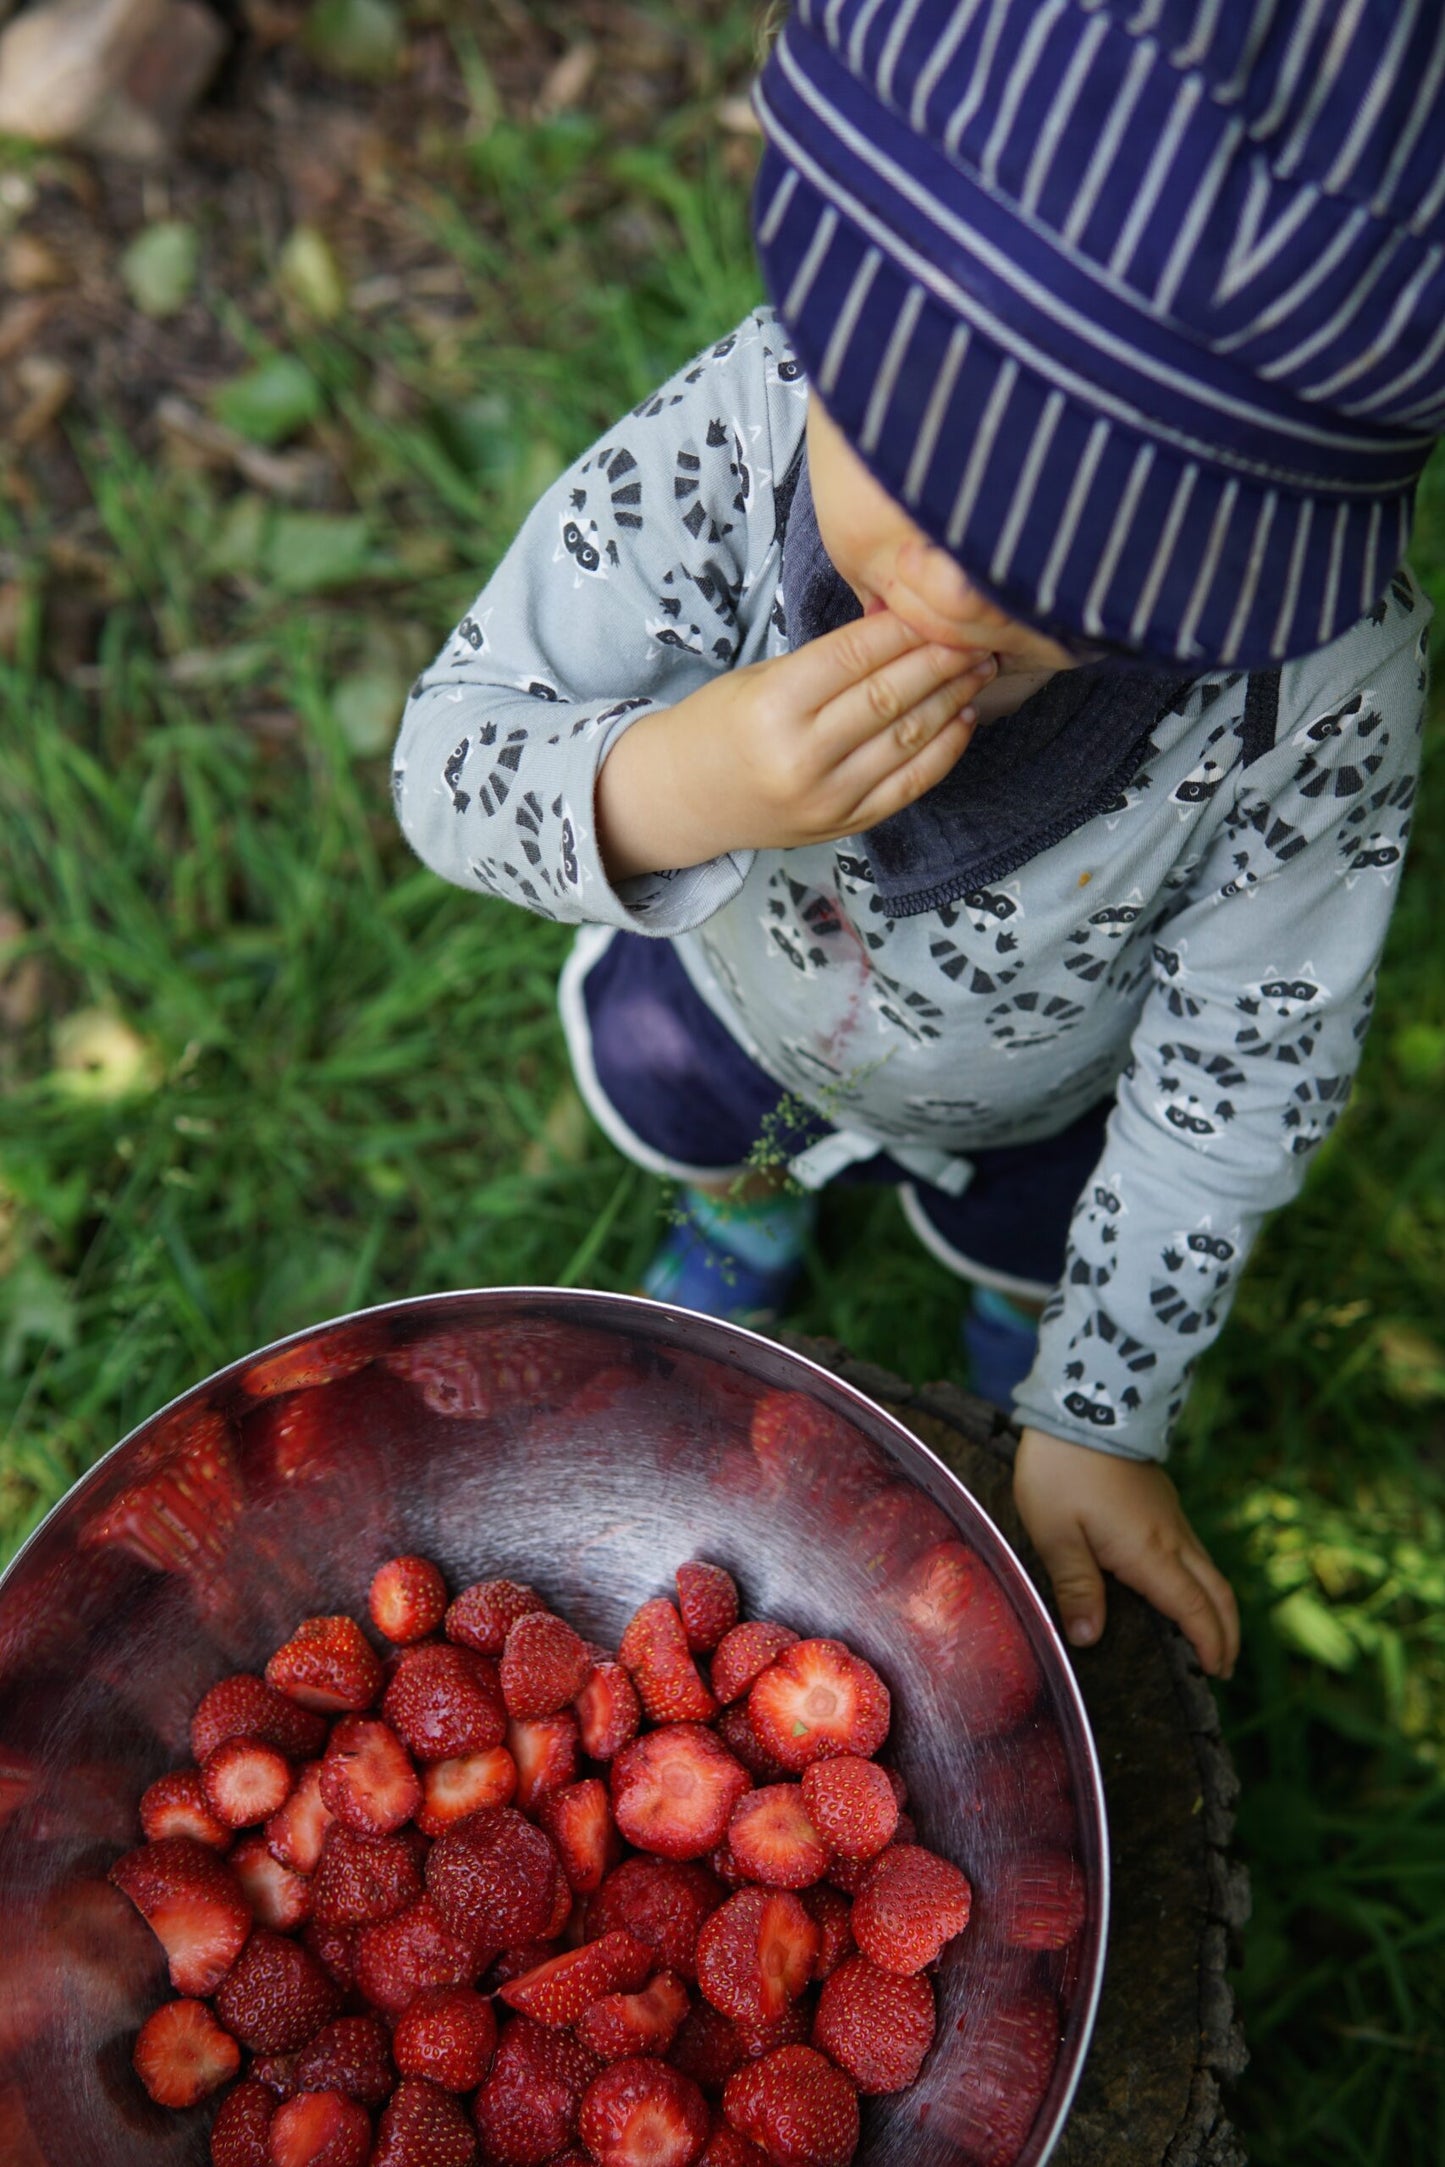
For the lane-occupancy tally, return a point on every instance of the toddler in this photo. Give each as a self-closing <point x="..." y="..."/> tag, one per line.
<point x="973" y="710"/>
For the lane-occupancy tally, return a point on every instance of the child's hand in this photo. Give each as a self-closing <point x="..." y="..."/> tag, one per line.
<point x="803" y="748"/>
<point x="933" y="595"/>
<point x="1086" y="1509"/>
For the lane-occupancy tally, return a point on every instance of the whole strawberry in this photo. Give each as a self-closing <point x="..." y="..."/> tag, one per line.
<point x="797" y="2106"/>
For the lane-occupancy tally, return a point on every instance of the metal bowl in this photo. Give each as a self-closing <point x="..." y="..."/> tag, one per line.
<point x="587" y="1443"/>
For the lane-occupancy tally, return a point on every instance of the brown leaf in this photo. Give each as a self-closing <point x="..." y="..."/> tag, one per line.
<point x="47" y="385"/>
<point x="565" y="83"/>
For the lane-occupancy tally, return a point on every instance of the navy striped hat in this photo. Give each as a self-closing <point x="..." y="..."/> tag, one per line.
<point x="1137" y="306"/>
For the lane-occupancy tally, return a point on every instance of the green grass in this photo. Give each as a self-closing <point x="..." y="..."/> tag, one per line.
<point x="349" y="1084"/>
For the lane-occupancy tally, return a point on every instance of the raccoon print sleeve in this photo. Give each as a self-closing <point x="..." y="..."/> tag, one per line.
<point x="650" y="566"/>
<point x="1246" y="1046"/>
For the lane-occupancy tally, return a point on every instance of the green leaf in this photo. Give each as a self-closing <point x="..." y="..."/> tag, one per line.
<point x="35" y="1306"/>
<point x="367" y="707"/>
<point x="270" y="402"/>
<point x="359" y="38"/>
<point x="1305" y="1624"/>
<point x="159" y="267"/>
<point x="311" y="275"/>
<point x="1419" y="1051"/>
<point x="308" y="551"/>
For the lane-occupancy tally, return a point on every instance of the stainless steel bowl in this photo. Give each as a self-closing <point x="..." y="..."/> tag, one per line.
<point x="586" y="1443"/>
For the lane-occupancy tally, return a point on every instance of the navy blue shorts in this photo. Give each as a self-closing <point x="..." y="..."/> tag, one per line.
<point x="672" y="1088"/>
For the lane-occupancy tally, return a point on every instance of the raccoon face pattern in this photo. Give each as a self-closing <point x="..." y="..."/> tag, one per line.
<point x="581" y="546"/>
<point x="1196" y="1112"/>
<point x="1285" y="995"/>
<point x="1312" y="1112"/>
<point x="1199" y="1266"/>
<point x="1097" y="1231"/>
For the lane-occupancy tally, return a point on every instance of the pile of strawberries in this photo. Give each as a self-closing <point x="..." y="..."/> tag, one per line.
<point x="501" y="1896"/>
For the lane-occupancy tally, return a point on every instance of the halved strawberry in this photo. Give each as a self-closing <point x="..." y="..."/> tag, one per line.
<point x="663" y="1902"/>
<point x="244" y="1706"/>
<point x="526" y="2112"/>
<point x="735" y="1728"/>
<point x="363" y="1879"/>
<point x="910" y="1905"/>
<point x="367" y="1779"/>
<point x="319" y="1360"/>
<point x="275" y="1997"/>
<point x="641" y="2113"/>
<point x="240" y="2131"/>
<point x="278" y="1897"/>
<point x="407" y="1599"/>
<point x="578" y="1818"/>
<point x="450" y="1790"/>
<point x="745" y="1653"/>
<point x="351" y="2055"/>
<point x="516" y="1963"/>
<point x="445" y="1702"/>
<point x="797" y="2106"/>
<point x="180" y="1520"/>
<point x="175" y="1805"/>
<point x="756" y="1954"/>
<point x="295" y="1834"/>
<point x="494" y="1876"/>
<point x="655" y="1654"/>
<point x="851" y="1804"/>
<point x="876" y="2025"/>
<point x="467" y="1372"/>
<point x="818" y="1699"/>
<point x="971" y="1638"/>
<point x="192" y="1903"/>
<point x="1025" y="1783"/>
<point x="328" y="1664"/>
<point x="447" y="2035"/>
<point x="832" y="1914"/>
<point x="181" y="2054"/>
<point x="707" y="1599"/>
<point x="1036" y="1900"/>
<point x="423" y="2126"/>
<point x="484" y="1614"/>
<point x="245" y="1782"/>
<point x="674" y="1790"/>
<point x="320" y="2129"/>
<point x="401" y="1957"/>
<point x="617" y="2025"/>
<point x="544" y="1665"/>
<point x="558" y="1991"/>
<point x="774" y="1841"/>
<point x="987" y="2098"/>
<point x="708" y="2048"/>
<point x="609" y="1714"/>
<point x="545" y="1753"/>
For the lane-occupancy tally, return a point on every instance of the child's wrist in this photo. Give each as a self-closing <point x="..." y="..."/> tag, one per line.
<point x="657" y="809"/>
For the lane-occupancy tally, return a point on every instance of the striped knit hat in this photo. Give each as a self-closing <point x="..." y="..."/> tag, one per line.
<point x="1137" y="306"/>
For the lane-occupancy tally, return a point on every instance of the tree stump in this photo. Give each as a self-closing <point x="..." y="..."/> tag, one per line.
<point x="1167" y="2036"/>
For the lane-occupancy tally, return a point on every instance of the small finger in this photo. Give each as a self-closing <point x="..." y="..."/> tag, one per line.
<point x="901" y="786"/>
<point x="1221" y="1594"/>
<point x="1078" y="1588"/>
<point x="1174" y="1589"/>
<point x="903" y="701"/>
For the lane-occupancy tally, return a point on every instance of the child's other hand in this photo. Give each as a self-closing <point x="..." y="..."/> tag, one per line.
<point x="1085" y="1510"/>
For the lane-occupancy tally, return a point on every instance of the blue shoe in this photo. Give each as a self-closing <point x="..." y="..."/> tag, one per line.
<point x="1001" y="1341"/>
<point x="737" y="1261"/>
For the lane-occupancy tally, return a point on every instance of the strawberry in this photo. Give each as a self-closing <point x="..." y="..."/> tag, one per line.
<point x="674" y="1790"/>
<point x="447" y="2035"/>
<point x="351" y="2055"/>
<point x="484" y="1614"/>
<point x="335" y="1949"/>
<point x="402" y="1956"/>
<point x="875" y="2025"/>
<point x="328" y="1664"/>
<point x="793" y="1437"/>
<point x="544" y="1665"/>
<point x="849" y="1875"/>
<point x="469" y="1372"/>
<point x="655" y="1654"/>
<point x="832" y="1914"/>
<point x="797" y="2106"/>
<point x="708" y="2048"/>
<point x="181" y="2054"/>
<point x="192" y="1903"/>
<point x="851" y="1804"/>
<point x="792" y="2027"/>
<point x="244" y="1706"/>
<point x="818" y="1699"/>
<point x="773" y="1840"/>
<point x="558" y="1991"/>
<point x="295" y="1834"/>
<point x="641" y="2113"/>
<point x="564" y="1910"/>
<point x="745" y="1653"/>
<point x="367" y="1780"/>
<point x="526" y="2112"/>
<point x="609" y="1714"/>
<point x="971" y="1638"/>
<point x="407" y="1599"/>
<point x="911" y="1903"/>
<point x="245" y="1782"/>
<point x="320" y="1359"/>
<point x="278" y="1898"/>
<point x="728" y="2147"/>
<point x="989" y="2093"/>
<point x="617" y="2025"/>
<point x="239" y="2132"/>
<point x="320" y="2129"/>
<point x="725" y="1865"/>
<point x="663" y="1902"/>
<point x="444" y="1702"/>
<point x="180" y="1520"/>
<point x="450" y="1790"/>
<point x="275" y="1997"/>
<point x="363" y="1879"/>
<point x="891" y="1528"/>
<point x="278" y="2073"/>
<point x="578" y="1818"/>
<point x="1036" y="1900"/>
<point x="545" y="1753"/>
<point x="735" y="1728"/>
<point x="496" y="1876"/>
<point x="707" y="1598"/>
<point x="175" y="1805"/>
<point x="424" y="2126"/>
<point x="1025" y="1784"/>
<point x="516" y="1963"/>
<point x="756" y="1954"/>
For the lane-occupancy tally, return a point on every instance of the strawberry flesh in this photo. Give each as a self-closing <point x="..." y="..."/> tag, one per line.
<point x="617" y="2025"/>
<point x="558" y="1991"/>
<point x="642" y="2113"/>
<point x="756" y="1954"/>
<point x="818" y="1699"/>
<point x="578" y="1818"/>
<point x="407" y="1599"/>
<point x="794" y="2104"/>
<point x="448" y="2035"/>
<point x="673" y="1791"/>
<point x="367" y="1779"/>
<point x="295" y="1834"/>
<point x="278" y="1897"/>
<point x="175" y="1805"/>
<point x="876" y="2025"/>
<point x="192" y="1903"/>
<point x="245" y="1782"/>
<point x="545" y="1751"/>
<point x="451" y="1790"/>
<point x="707" y="1601"/>
<point x="327" y="1664"/>
<point x="773" y="1840"/>
<point x="609" y="1714"/>
<point x="182" y="2055"/>
<point x="320" y="2129"/>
